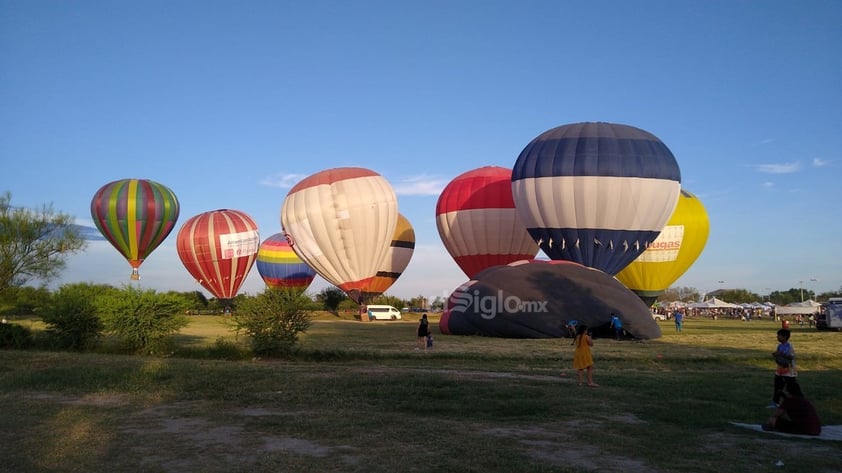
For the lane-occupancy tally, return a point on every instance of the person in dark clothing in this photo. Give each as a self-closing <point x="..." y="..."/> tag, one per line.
<point x="795" y="414"/>
<point x="423" y="331"/>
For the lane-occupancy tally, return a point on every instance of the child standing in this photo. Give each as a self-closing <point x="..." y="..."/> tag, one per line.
<point x="784" y="356"/>
<point x="582" y="357"/>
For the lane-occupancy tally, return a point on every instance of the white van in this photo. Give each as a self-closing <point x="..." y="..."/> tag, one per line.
<point x="383" y="312"/>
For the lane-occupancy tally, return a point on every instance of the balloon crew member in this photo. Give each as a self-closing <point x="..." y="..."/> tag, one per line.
<point x="617" y="325"/>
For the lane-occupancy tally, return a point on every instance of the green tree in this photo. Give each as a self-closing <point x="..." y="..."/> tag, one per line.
<point x="143" y="319"/>
<point x="34" y="244"/>
<point x="71" y="316"/>
<point x="330" y="297"/>
<point x="680" y="293"/>
<point x="24" y="300"/>
<point x="273" y="320"/>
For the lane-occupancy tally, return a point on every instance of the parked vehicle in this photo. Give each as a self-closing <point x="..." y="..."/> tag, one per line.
<point x="383" y="312"/>
<point x="832" y="316"/>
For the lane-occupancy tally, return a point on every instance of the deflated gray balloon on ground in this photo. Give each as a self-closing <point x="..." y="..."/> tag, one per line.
<point x="535" y="299"/>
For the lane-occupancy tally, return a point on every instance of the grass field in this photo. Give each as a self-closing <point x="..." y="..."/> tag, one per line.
<point x="360" y="398"/>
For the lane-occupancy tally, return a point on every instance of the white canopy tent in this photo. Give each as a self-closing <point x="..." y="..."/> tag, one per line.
<point x="803" y="308"/>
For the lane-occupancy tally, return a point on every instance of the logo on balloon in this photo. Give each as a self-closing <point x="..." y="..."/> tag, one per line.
<point x="489" y="306"/>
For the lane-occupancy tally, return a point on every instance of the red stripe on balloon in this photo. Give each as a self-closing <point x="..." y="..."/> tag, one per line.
<point x="332" y="176"/>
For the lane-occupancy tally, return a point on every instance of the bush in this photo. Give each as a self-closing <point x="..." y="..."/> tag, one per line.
<point x="273" y="320"/>
<point x="15" y="336"/>
<point x="143" y="320"/>
<point x="71" y="318"/>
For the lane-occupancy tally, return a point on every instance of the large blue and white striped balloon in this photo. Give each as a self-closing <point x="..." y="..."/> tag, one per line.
<point x="595" y="193"/>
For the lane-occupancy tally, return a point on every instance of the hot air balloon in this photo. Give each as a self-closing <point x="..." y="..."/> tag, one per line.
<point x="671" y="254"/>
<point x="280" y="267"/>
<point x="478" y="223"/>
<point x="535" y="299"/>
<point x="218" y="248"/>
<point x="135" y="215"/>
<point x="595" y="193"/>
<point x="396" y="260"/>
<point x="340" y="222"/>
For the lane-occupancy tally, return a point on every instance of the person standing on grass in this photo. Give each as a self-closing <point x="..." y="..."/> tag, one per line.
<point x="795" y="414"/>
<point x="784" y="356"/>
<point x="423" y="331"/>
<point x="617" y="325"/>
<point x="679" y="319"/>
<point x="582" y="357"/>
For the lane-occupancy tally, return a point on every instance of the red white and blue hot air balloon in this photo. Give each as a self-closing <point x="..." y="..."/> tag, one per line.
<point x="595" y="193"/>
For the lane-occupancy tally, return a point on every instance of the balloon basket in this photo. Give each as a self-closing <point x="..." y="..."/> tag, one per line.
<point x="135" y="275"/>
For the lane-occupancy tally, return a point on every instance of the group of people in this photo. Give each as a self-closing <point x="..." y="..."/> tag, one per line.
<point x="794" y="413"/>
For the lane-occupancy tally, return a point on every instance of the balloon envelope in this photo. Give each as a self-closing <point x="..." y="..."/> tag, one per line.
<point x="396" y="260"/>
<point x="135" y="215"/>
<point x="595" y="193"/>
<point x="280" y="267"/>
<point x="340" y="222"/>
<point x="219" y="248"/>
<point x="478" y="223"/>
<point x="671" y="254"/>
<point x="535" y="299"/>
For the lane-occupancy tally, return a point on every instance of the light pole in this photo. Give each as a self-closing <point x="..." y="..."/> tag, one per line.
<point x="801" y="287"/>
<point x="768" y="293"/>
<point x="814" y="292"/>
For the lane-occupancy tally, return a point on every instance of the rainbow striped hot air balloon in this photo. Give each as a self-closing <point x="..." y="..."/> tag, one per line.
<point x="280" y="267"/>
<point x="135" y="215"/>
<point x="219" y="248"/>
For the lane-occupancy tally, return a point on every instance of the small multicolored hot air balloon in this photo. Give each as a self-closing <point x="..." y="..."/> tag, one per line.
<point x="135" y="215"/>
<point x="341" y="222"/>
<point x="595" y="193"/>
<point x="397" y="258"/>
<point x="672" y="253"/>
<point x="280" y="267"/>
<point x="478" y="223"/>
<point x="219" y="248"/>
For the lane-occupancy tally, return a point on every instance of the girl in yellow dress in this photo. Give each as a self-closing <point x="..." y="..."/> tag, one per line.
<point x="582" y="358"/>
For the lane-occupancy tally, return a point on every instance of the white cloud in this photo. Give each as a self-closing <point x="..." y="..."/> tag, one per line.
<point x="784" y="168"/>
<point x="284" y="181"/>
<point x="818" y="162"/>
<point x="419" y="185"/>
<point x="768" y="184"/>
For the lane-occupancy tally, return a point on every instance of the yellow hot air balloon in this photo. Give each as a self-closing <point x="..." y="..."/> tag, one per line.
<point x="397" y="258"/>
<point x="672" y="253"/>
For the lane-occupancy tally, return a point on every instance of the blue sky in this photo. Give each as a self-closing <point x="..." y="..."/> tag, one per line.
<point x="230" y="103"/>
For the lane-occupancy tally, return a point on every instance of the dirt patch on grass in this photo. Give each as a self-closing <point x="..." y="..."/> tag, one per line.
<point x="562" y="449"/>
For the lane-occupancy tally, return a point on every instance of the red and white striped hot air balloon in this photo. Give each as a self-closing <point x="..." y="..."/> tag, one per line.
<point x="219" y="248"/>
<point x="340" y="222"/>
<point x="478" y="223"/>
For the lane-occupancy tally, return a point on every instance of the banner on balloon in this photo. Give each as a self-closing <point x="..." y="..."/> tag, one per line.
<point x="666" y="247"/>
<point x="239" y="244"/>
